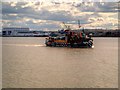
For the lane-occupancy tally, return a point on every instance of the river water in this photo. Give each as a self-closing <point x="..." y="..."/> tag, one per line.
<point x="28" y="63"/>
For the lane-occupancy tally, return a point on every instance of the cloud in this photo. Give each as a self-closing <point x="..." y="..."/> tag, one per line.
<point x="40" y="15"/>
<point x="98" y="7"/>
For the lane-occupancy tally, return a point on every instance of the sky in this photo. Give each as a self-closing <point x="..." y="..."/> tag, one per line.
<point x="48" y="15"/>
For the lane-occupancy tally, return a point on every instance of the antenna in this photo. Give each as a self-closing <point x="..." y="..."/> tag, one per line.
<point x="79" y="24"/>
<point x="66" y="26"/>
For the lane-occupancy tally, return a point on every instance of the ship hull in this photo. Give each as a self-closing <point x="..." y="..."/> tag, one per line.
<point x="86" y="44"/>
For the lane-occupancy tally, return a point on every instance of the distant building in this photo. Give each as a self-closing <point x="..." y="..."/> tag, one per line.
<point x="21" y="32"/>
<point x="12" y="31"/>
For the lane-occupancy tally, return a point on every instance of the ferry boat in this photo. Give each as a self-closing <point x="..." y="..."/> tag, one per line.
<point x="70" y="38"/>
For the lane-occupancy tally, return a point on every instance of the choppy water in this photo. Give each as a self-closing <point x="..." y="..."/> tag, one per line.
<point x="28" y="63"/>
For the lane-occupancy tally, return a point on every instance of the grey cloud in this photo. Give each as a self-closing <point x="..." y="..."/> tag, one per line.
<point x="107" y="7"/>
<point x="98" y="7"/>
<point x="9" y="17"/>
<point x="7" y="9"/>
<point x="43" y="26"/>
<point x="44" y="14"/>
<point x="31" y="13"/>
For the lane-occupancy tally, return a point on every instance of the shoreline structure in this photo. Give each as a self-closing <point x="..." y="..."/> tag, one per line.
<point x="26" y="32"/>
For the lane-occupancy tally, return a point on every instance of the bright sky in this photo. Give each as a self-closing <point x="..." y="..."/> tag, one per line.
<point x="50" y="15"/>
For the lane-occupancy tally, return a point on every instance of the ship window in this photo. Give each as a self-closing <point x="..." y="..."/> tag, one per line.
<point x="62" y="38"/>
<point x="3" y="32"/>
<point x="9" y="32"/>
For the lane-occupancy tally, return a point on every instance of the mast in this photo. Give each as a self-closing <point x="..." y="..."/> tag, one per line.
<point x="79" y="24"/>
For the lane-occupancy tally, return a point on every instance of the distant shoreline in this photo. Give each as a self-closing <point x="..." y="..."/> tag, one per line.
<point x="47" y="36"/>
